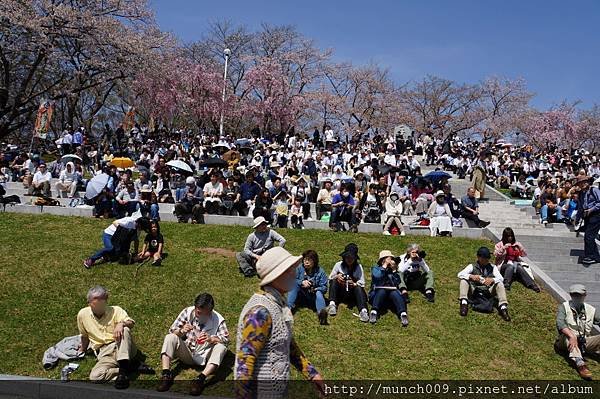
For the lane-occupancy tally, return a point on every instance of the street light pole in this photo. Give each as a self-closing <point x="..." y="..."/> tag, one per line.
<point x="226" y="52"/>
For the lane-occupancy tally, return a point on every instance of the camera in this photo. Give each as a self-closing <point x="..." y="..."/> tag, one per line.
<point x="422" y="254"/>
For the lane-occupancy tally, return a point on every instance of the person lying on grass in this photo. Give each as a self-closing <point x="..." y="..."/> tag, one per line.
<point x="153" y="245"/>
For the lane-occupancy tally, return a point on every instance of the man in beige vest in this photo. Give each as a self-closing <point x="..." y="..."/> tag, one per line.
<point x="575" y="321"/>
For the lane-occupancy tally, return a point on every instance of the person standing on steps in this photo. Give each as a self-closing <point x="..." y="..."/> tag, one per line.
<point x="589" y="212"/>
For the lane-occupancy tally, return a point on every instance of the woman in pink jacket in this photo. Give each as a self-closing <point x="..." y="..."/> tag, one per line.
<point x="509" y="253"/>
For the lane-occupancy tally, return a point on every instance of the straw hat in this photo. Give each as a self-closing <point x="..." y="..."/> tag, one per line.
<point x="273" y="263"/>
<point x="258" y="221"/>
<point x="384" y="254"/>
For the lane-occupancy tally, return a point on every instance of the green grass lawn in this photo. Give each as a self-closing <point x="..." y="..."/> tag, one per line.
<point x="44" y="285"/>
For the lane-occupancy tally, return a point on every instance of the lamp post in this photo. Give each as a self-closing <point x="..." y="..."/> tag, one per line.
<point x="226" y="53"/>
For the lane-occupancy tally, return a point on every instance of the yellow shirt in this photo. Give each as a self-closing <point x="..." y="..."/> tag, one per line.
<point x="100" y="331"/>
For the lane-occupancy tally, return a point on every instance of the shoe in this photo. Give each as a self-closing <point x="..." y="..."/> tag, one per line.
<point x="405" y="296"/>
<point x="589" y="261"/>
<point x="166" y="381"/>
<point x="504" y="313"/>
<point x="404" y="319"/>
<point x="483" y="224"/>
<point x="464" y="309"/>
<point x="88" y="263"/>
<point x="507" y="286"/>
<point x="332" y="309"/>
<point x="354" y="229"/>
<point x="430" y="295"/>
<point x="145" y="369"/>
<point x="334" y="229"/>
<point x="323" y="317"/>
<point x="536" y="288"/>
<point x="122" y="381"/>
<point x="584" y="372"/>
<point x="402" y="233"/>
<point x="363" y="316"/>
<point x="545" y="222"/>
<point x="387" y="233"/>
<point x="373" y="317"/>
<point x="157" y="262"/>
<point x="197" y="385"/>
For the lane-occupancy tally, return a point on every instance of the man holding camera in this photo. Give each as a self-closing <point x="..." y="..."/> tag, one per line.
<point x="415" y="273"/>
<point x="575" y="321"/>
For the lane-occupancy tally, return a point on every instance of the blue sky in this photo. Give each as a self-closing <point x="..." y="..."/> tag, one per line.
<point x="553" y="45"/>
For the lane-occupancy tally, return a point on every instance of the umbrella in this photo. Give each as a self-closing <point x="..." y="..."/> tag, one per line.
<point x="70" y="158"/>
<point x="96" y="185"/>
<point x="221" y="146"/>
<point x="214" y="163"/>
<point x="437" y="175"/>
<point x="247" y="150"/>
<point x="122" y="162"/>
<point x="177" y="164"/>
<point x="243" y="142"/>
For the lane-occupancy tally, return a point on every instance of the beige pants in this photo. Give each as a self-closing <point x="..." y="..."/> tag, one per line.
<point x="496" y="290"/>
<point x="175" y="348"/>
<point x="592" y="345"/>
<point x="109" y="355"/>
<point x="69" y="188"/>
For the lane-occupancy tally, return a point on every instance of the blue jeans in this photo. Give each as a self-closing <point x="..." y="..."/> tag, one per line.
<point x="151" y="210"/>
<point x="382" y="300"/>
<point x="545" y="209"/>
<point x="299" y="297"/>
<point x="107" y="250"/>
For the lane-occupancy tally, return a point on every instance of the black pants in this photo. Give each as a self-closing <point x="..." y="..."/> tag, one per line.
<point x="471" y="216"/>
<point x="512" y="273"/>
<point x="592" y="226"/>
<point x="354" y="296"/>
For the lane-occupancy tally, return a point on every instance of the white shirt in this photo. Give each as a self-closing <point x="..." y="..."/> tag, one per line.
<point x="127" y="222"/>
<point x="40" y="177"/>
<point x="408" y="265"/>
<point x="464" y="274"/>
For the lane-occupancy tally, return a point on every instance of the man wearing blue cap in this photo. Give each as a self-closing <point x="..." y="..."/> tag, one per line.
<point x="486" y="277"/>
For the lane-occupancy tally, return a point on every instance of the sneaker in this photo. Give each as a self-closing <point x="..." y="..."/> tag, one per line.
<point x="332" y="309"/>
<point x="484" y="224"/>
<point x="588" y="261"/>
<point x="88" y="263"/>
<point x="406" y="297"/>
<point x="323" y="317"/>
<point x="364" y="316"/>
<point x="504" y="313"/>
<point x="387" y="233"/>
<point x="373" y="317"/>
<point x="157" y="262"/>
<point x="197" y="385"/>
<point x="430" y="295"/>
<point x="404" y="319"/>
<point x="464" y="309"/>
<point x="166" y="381"/>
<point x="536" y="288"/>
<point x="402" y="233"/>
<point x="545" y="222"/>
<point x="122" y="381"/>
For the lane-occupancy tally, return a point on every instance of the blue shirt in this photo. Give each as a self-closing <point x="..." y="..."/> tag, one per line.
<point x="349" y="200"/>
<point x="591" y="200"/>
<point x="248" y="191"/>
<point x="317" y="277"/>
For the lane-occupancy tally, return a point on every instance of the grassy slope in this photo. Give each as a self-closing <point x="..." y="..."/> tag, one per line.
<point x="44" y="285"/>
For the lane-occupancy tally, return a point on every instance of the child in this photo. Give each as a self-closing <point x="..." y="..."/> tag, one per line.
<point x="296" y="212"/>
<point x="153" y="245"/>
<point x="282" y="204"/>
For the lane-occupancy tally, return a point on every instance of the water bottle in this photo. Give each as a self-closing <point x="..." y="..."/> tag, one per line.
<point x="64" y="373"/>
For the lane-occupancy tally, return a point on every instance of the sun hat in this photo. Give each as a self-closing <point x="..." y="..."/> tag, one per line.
<point x="273" y="263"/>
<point x="190" y="180"/>
<point x="258" y="221"/>
<point x="350" y="250"/>
<point x="440" y="193"/>
<point x="384" y="254"/>
<point x="145" y="189"/>
<point x="577" y="289"/>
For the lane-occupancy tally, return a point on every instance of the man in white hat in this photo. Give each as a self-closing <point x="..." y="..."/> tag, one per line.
<point x="257" y="243"/>
<point x="575" y="321"/>
<point x="265" y="345"/>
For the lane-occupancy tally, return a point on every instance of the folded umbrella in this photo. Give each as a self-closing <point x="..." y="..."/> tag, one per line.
<point x="177" y="164"/>
<point x="96" y="185"/>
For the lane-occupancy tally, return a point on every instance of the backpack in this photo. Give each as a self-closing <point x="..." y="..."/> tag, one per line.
<point x="46" y="201"/>
<point x="482" y="301"/>
<point x="10" y="199"/>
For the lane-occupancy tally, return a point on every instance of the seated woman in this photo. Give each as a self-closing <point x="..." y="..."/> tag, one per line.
<point x="311" y="286"/>
<point x="153" y="245"/>
<point x="296" y="214"/>
<point x="262" y="206"/>
<point x="347" y="283"/>
<point x="508" y="254"/>
<point x="370" y="206"/>
<point x="393" y="211"/>
<point x="385" y="292"/>
<point x="440" y="216"/>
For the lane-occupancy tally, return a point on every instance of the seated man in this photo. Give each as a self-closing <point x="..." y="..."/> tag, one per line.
<point x="415" y="273"/>
<point x="67" y="181"/>
<point x="198" y="337"/>
<point x="486" y="278"/>
<point x="126" y="201"/>
<point x="190" y="203"/>
<point x="470" y="208"/>
<point x="259" y="241"/>
<point x="343" y="205"/>
<point x="550" y="208"/>
<point x="41" y="182"/>
<point x="108" y="330"/>
<point x="575" y="321"/>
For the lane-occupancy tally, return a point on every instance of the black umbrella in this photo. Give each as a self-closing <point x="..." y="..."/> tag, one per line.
<point x="247" y="150"/>
<point x="214" y="163"/>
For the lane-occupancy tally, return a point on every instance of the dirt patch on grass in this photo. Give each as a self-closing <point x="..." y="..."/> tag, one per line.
<point x="228" y="253"/>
